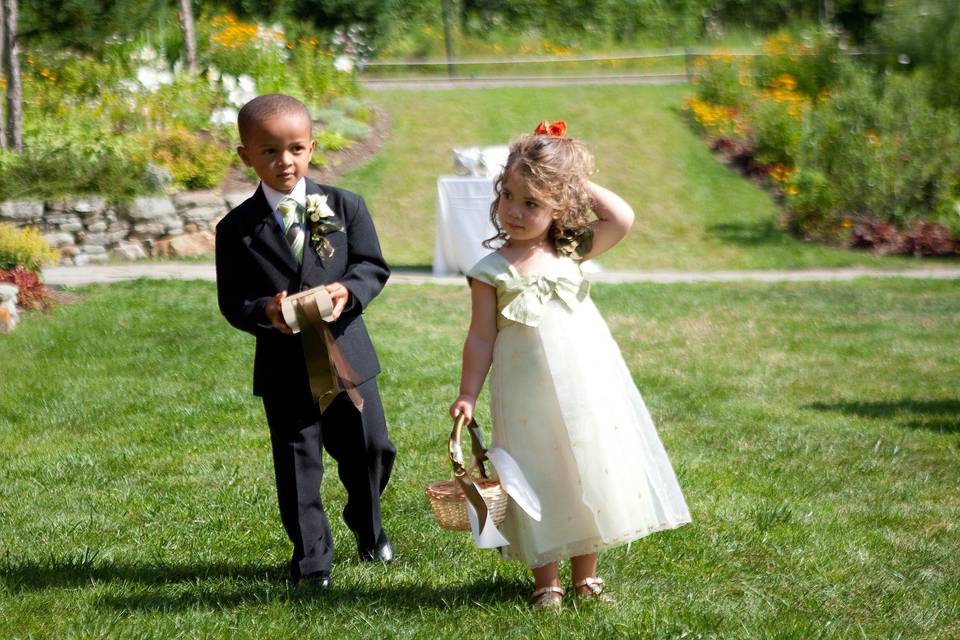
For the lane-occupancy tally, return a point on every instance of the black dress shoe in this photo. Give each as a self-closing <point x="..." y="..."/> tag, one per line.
<point x="319" y="580"/>
<point x="383" y="552"/>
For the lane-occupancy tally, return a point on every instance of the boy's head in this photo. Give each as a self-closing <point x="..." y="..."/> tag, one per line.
<point x="276" y="139"/>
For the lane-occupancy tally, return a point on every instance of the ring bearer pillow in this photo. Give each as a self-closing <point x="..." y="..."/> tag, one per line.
<point x="480" y="162"/>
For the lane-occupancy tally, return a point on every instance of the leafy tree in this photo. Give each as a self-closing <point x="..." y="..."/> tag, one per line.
<point x="86" y="25"/>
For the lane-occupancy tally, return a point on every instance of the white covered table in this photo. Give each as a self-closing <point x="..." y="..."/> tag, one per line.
<point x="462" y="223"/>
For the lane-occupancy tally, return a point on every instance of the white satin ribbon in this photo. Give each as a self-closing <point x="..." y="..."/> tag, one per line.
<point x="515" y="484"/>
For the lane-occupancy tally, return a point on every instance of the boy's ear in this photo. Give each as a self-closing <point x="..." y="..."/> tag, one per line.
<point x="242" y="152"/>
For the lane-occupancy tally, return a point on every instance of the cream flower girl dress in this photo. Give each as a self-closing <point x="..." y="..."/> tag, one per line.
<point x="565" y="407"/>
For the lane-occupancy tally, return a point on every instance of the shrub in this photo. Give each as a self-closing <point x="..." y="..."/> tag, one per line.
<point x="26" y="247"/>
<point x="816" y="62"/>
<point x="195" y="162"/>
<point x="33" y="293"/>
<point x="888" y="153"/>
<point x="776" y="130"/>
<point x="328" y="140"/>
<point x="76" y="153"/>
<point x="811" y="203"/>
<point x="722" y="79"/>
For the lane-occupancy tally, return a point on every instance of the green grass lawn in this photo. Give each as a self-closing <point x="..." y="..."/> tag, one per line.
<point x="814" y="428"/>
<point x="693" y="212"/>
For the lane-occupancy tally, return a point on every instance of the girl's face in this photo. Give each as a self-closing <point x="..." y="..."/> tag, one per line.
<point x="524" y="217"/>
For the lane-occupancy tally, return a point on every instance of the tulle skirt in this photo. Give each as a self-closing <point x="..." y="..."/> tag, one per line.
<point x="564" y="405"/>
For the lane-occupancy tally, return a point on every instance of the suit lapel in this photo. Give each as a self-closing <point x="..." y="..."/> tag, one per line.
<point x="268" y="232"/>
<point x="312" y="271"/>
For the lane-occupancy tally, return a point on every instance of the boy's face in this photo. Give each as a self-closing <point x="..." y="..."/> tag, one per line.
<point x="279" y="150"/>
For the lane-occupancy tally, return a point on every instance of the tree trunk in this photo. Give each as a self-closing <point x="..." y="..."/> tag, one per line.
<point x="3" y="56"/>
<point x="11" y="63"/>
<point x="189" y="38"/>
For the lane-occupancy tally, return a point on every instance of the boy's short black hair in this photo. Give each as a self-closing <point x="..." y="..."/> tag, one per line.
<point x="268" y="106"/>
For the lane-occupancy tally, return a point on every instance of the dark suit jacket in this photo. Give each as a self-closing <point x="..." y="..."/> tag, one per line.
<point x="254" y="262"/>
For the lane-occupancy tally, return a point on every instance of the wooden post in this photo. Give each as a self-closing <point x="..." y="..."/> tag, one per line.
<point x="447" y="37"/>
<point x="12" y="67"/>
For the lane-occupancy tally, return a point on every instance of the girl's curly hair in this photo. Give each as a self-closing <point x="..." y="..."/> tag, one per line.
<point x="556" y="171"/>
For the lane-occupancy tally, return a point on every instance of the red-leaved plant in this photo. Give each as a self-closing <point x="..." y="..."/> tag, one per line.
<point x="33" y="293"/>
<point x="923" y="238"/>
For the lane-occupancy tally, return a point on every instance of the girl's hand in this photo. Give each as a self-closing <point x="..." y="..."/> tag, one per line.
<point x="463" y="407"/>
<point x="614" y="218"/>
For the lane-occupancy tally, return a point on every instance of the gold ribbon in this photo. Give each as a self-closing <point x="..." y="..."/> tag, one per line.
<point x="327" y="368"/>
<point x="469" y="488"/>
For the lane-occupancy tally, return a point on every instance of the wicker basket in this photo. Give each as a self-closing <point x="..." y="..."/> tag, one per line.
<point x="450" y="506"/>
<point x="446" y="497"/>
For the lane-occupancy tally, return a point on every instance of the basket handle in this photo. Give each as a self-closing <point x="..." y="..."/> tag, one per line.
<point x="455" y="450"/>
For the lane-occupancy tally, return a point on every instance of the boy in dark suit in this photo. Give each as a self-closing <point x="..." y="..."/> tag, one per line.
<point x="293" y="235"/>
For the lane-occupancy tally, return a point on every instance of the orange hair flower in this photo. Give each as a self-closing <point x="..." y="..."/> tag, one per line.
<point x="556" y="129"/>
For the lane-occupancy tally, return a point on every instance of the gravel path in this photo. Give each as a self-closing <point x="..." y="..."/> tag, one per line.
<point x="76" y="276"/>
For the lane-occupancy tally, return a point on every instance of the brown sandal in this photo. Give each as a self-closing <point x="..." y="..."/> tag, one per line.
<point x="546" y="598"/>
<point x="592" y="589"/>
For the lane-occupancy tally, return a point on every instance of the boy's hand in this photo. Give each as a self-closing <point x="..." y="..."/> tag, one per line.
<point x="275" y="314"/>
<point x="463" y="407"/>
<point x="340" y="295"/>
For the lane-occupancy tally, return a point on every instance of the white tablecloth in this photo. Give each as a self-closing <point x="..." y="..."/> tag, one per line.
<point x="463" y="223"/>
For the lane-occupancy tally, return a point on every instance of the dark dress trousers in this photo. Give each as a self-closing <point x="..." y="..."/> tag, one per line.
<point x="254" y="262"/>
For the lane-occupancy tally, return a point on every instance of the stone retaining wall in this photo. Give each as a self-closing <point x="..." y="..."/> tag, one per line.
<point x="89" y="229"/>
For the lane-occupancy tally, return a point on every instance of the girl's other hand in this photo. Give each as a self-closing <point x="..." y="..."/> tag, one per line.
<point x="463" y="407"/>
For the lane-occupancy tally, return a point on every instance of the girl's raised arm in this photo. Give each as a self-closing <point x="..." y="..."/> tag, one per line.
<point x="478" y="348"/>
<point x="614" y="219"/>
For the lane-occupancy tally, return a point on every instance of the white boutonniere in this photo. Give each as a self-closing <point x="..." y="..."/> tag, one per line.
<point x="322" y="222"/>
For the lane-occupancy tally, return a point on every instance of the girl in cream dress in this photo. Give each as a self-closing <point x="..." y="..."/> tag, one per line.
<point x="564" y="404"/>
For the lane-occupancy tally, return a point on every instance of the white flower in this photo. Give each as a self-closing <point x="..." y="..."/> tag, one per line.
<point x="152" y="79"/>
<point x="317" y="207"/>
<point x="224" y="115"/>
<point x="146" y="54"/>
<point x="343" y="64"/>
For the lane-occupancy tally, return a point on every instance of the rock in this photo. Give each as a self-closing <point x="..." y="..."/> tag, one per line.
<point x="173" y="226"/>
<point x="88" y="205"/>
<point x="203" y="214"/>
<point x="70" y="251"/>
<point x="157" y="178"/>
<point x="144" y="229"/>
<point x="59" y="238"/>
<point x="190" y="228"/>
<point x="93" y="249"/>
<point x="9" y="294"/>
<point x="86" y="239"/>
<point x="21" y="210"/>
<point x="57" y="219"/>
<point x="71" y="227"/>
<point x="198" y="199"/>
<point x="8" y="307"/>
<point x="81" y="260"/>
<point x="235" y="198"/>
<point x="113" y="237"/>
<point x="129" y="251"/>
<point x="188" y="245"/>
<point x="97" y="227"/>
<point x="151" y="208"/>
